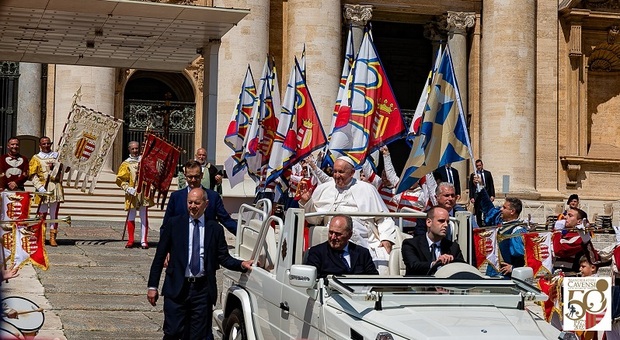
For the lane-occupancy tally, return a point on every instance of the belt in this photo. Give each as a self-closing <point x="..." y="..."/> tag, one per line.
<point x="194" y="279"/>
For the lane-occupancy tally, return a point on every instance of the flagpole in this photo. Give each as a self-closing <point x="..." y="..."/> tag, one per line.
<point x="461" y="114"/>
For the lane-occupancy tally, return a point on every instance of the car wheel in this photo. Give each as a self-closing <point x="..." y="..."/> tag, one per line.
<point x="235" y="326"/>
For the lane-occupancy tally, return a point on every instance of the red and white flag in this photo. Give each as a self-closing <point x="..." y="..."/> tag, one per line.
<point x="240" y="120"/>
<point x="370" y="116"/>
<point x="299" y="131"/>
<point x="486" y="249"/>
<point x="539" y="252"/>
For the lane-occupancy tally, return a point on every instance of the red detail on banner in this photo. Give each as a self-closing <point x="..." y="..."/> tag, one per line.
<point x="35" y="245"/>
<point x="157" y="167"/>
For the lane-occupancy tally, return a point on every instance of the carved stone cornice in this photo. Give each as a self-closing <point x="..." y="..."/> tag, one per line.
<point x="602" y="5"/>
<point x="197" y="70"/>
<point x="459" y="22"/>
<point x="436" y="30"/>
<point x="357" y="14"/>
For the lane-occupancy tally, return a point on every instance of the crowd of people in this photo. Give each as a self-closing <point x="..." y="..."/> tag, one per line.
<point x="192" y="244"/>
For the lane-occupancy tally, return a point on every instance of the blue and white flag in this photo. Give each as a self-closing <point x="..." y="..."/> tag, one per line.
<point x="443" y="135"/>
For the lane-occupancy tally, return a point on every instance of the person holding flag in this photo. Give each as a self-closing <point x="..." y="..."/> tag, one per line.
<point x="41" y="166"/>
<point x="126" y="179"/>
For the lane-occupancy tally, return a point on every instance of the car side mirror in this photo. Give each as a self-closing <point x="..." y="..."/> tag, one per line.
<point x="523" y="273"/>
<point x="303" y="276"/>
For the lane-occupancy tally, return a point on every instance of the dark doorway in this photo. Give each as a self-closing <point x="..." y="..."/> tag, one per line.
<point x="164" y="103"/>
<point x="9" y="76"/>
<point x="407" y="58"/>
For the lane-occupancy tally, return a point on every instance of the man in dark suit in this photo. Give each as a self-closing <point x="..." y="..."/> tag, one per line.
<point x="425" y="253"/>
<point x="197" y="247"/>
<point x="337" y="255"/>
<point x="215" y="211"/>
<point x="487" y="181"/>
<point x="449" y="174"/>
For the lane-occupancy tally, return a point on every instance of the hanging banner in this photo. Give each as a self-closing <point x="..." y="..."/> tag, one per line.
<point x="87" y="137"/>
<point x="157" y="167"/>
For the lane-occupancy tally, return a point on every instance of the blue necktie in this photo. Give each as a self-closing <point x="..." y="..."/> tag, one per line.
<point x="344" y="260"/>
<point x="194" y="264"/>
<point x="434" y="252"/>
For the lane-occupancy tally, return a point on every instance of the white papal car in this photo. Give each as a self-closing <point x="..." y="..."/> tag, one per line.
<point x="282" y="299"/>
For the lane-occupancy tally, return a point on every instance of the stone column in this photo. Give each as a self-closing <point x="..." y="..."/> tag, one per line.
<point x="29" y="100"/>
<point x="97" y="85"/>
<point x="357" y="16"/>
<point x="208" y="122"/>
<point x="457" y="25"/>
<point x="246" y="43"/>
<point x="318" y="25"/>
<point x="508" y="99"/>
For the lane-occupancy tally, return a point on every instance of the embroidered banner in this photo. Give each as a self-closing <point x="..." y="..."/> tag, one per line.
<point x="538" y="250"/>
<point x="157" y="167"/>
<point x="21" y="241"/>
<point x="486" y="249"/>
<point x="86" y="140"/>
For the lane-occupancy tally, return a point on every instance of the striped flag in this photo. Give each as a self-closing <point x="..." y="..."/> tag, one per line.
<point x="370" y="117"/>
<point x="443" y="135"/>
<point x="240" y="120"/>
<point x="414" y="128"/>
<point x="299" y="130"/>
<point x="262" y="129"/>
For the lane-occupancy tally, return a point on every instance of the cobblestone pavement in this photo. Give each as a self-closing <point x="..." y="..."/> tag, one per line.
<point x="94" y="287"/>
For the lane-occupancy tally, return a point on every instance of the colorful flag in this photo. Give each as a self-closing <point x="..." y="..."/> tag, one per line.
<point x="486" y="249"/>
<point x="299" y="129"/>
<point x="87" y="137"/>
<point x="157" y="167"/>
<point x="538" y="252"/>
<point x="349" y="58"/>
<point x="370" y="117"/>
<point x="414" y="128"/>
<point x="262" y="130"/>
<point x="240" y="121"/>
<point x="443" y="135"/>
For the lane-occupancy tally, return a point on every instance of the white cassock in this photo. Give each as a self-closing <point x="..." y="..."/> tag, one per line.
<point x="359" y="196"/>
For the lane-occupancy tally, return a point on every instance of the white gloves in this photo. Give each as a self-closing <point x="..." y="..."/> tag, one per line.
<point x="131" y="191"/>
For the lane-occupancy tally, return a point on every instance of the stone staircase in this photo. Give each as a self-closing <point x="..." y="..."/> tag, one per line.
<point x="105" y="204"/>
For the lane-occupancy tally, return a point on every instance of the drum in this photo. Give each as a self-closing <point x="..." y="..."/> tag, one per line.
<point x="30" y="318"/>
<point x="10" y="332"/>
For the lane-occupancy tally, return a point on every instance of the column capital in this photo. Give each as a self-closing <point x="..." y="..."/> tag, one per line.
<point x="357" y="14"/>
<point x="459" y="22"/>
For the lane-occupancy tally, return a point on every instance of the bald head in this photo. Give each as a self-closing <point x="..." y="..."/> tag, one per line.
<point x="197" y="202"/>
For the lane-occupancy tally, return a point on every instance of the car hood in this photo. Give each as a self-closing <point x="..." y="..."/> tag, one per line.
<point x="436" y="322"/>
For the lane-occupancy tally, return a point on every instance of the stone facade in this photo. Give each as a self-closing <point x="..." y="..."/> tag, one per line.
<point x="539" y="80"/>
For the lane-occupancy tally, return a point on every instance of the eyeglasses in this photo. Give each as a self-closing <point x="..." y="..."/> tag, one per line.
<point x="193" y="177"/>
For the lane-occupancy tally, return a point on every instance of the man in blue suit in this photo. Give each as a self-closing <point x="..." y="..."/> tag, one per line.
<point x="215" y="210"/>
<point x="197" y="247"/>
<point x="337" y="255"/>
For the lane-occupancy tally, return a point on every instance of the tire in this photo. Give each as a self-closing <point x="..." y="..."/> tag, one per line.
<point x="234" y="328"/>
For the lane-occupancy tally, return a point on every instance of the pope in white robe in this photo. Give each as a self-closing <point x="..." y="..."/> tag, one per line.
<point x="347" y="194"/>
